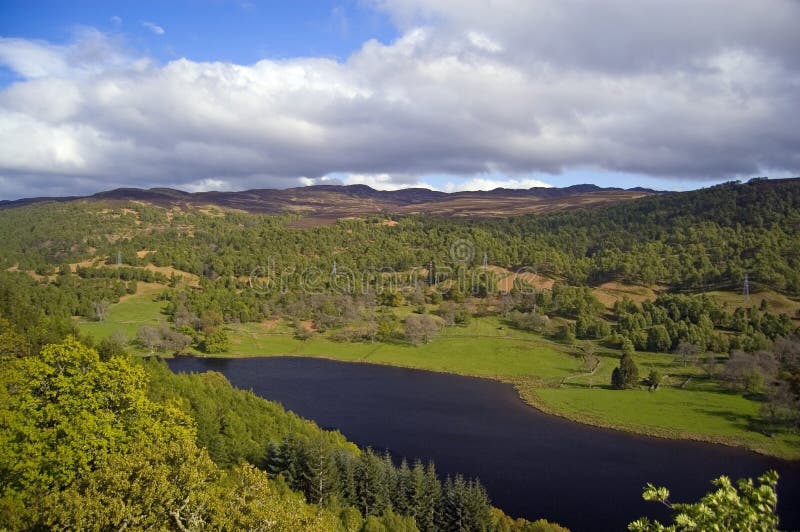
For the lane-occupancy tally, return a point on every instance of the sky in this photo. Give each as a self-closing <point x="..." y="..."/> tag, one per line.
<point x="444" y="94"/>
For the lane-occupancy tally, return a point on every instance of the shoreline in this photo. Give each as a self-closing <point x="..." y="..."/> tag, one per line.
<point x="531" y="400"/>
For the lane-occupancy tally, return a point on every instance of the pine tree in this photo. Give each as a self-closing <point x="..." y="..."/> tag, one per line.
<point x="427" y="494"/>
<point x="616" y="379"/>
<point x="404" y="490"/>
<point x="626" y="375"/>
<point x="372" y="490"/>
<point x="318" y="472"/>
<point x="346" y="467"/>
<point x="279" y="461"/>
<point x="477" y="506"/>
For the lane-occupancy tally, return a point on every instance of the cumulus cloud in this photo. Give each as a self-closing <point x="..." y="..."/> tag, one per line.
<point x="400" y="181"/>
<point x="376" y="181"/>
<point x="483" y="183"/>
<point x="688" y="89"/>
<point x="614" y="35"/>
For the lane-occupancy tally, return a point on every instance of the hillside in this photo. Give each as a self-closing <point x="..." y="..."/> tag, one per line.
<point x="551" y="302"/>
<point x="330" y="202"/>
<point x="257" y="275"/>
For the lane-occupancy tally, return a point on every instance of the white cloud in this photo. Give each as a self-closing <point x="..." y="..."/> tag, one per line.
<point x="483" y="42"/>
<point x="376" y="181"/>
<point x="614" y="35"/>
<point x="90" y="54"/>
<point x="524" y="88"/>
<point x="155" y="28"/>
<point x="116" y="21"/>
<point x="32" y="59"/>
<point x="482" y="183"/>
<point x="206" y="185"/>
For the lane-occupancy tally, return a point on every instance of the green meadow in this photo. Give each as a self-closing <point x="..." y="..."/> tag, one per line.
<point x="129" y="314"/>
<point x="697" y="409"/>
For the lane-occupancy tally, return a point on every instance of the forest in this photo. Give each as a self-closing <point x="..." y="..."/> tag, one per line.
<point x="688" y="241"/>
<point x="404" y="282"/>
<point x="100" y="440"/>
<point x="411" y="280"/>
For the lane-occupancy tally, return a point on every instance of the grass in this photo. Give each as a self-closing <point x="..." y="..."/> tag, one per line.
<point x="129" y="314"/>
<point x="536" y="366"/>
<point x="479" y="350"/>
<point x="776" y="302"/>
<point x="611" y="292"/>
<point x="669" y="412"/>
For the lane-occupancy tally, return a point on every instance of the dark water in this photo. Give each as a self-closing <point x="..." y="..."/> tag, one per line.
<point x="532" y="464"/>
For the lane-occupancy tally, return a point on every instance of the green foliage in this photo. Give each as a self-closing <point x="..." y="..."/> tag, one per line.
<point x="236" y="426"/>
<point x="12" y="343"/>
<point x="686" y="240"/>
<point x="215" y="341"/>
<point x="574" y="301"/>
<point x="389" y="522"/>
<point x="83" y="447"/>
<point x="658" y="339"/>
<point x="689" y="241"/>
<point x="626" y="375"/>
<point x="745" y="506"/>
<point x="591" y="327"/>
<point x="566" y="333"/>
<point x="675" y="319"/>
<point x="112" y="346"/>
<point x="233" y="425"/>
<point x="654" y="379"/>
<point x="627" y="347"/>
<point x="379" y="489"/>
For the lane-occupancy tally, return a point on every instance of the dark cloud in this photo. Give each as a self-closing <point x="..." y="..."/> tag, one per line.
<point x="688" y="89"/>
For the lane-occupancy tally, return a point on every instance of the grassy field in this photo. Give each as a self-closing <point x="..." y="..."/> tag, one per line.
<point x="611" y="292"/>
<point x="776" y="302"/>
<point x="130" y="313"/>
<point x="479" y="349"/>
<point x="536" y="366"/>
<point x="670" y="412"/>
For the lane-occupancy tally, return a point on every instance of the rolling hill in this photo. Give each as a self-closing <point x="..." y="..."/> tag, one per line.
<point x="330" y="201"/>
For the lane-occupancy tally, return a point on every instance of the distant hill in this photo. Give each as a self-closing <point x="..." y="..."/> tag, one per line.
<point x="332" y="201"/>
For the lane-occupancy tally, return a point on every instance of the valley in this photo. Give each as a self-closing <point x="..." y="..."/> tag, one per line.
<point x="626" y="314"/>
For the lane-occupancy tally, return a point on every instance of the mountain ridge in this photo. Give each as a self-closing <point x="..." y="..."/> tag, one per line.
<point x="333" y="201"/>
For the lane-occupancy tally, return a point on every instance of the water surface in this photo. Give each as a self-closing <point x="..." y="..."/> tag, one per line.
<point x="532" y="464"/>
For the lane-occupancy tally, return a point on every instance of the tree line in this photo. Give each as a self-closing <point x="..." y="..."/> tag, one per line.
<point x="689" y="240"/>
<point x="97" y="439"/>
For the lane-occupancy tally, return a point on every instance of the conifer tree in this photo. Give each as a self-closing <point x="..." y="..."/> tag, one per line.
<point x="626" y="375"/>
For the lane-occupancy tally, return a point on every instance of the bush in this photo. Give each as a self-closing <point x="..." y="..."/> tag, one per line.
<point x="654" y="380"/>
<point x="216" y="341"/>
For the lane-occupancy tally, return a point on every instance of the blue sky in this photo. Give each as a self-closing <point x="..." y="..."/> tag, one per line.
<point x="204" y="30"/>
<point x="394" y="93"/>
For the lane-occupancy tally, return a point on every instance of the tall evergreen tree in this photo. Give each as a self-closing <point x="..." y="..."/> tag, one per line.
<point x="626" y="375"/>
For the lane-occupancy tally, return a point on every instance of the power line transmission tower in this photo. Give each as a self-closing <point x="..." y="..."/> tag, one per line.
<point x="119" y="258"/>
<point x="746" y="289"/>
<point x="485" y="261"/>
